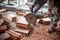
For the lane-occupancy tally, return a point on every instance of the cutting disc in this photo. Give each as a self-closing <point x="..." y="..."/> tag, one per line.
<point x="31" y="18"/>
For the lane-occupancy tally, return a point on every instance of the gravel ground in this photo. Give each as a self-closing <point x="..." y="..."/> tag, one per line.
<point x="40" y="33"/>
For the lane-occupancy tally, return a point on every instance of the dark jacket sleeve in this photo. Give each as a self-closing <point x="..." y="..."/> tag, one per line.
<point x="35" y="2"/>
<point x="32" y="6"/>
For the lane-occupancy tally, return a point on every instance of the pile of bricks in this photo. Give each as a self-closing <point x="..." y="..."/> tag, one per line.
<point x="3" y="25"/>
<point x="13" y="27"/>
<point x="23" y="25"/>
<point x="3" y="28"/>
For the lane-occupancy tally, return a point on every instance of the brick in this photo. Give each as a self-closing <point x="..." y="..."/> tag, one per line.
<point x="40" y="21"/>
<point x="14" y="38"/>
<point x="22" y="31"/>
<point x="21" y="19"/>
<point x="20" y="13"/>
<point x="11" y="17"/>
<point x="1" y="21"/>
<point x="3" y="28"/>
<point x="22" y="23"/>
<point x="22" y="26"/>
<point x="45" y="21"/>
<point x="5" y="23"/>
<point x="14" y="34"/>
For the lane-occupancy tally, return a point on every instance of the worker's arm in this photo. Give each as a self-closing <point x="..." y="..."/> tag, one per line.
<point x="32" y="6"/>
<point x="49" y="13"/>
<point x="40" y="3"/>
<point x="46" y="15"/>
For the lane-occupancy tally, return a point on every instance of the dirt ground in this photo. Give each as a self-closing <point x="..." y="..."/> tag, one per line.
<point x="40" y="33"/>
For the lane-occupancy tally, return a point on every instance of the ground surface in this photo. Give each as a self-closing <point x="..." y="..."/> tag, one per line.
<point x="40" y="33"/>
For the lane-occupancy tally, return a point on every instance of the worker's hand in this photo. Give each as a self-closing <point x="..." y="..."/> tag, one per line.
<point x="46" y="15"/>
<point x="32" y="6"/>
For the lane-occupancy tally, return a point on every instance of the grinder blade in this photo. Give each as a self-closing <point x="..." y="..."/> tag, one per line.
<point x="31" y="18"/>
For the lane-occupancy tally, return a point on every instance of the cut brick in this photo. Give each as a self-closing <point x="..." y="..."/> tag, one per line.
<point x="22" y="26"/>
<point x="11" y="17"/>
<point x="22" y="31"/>
<point x="20" y="13"/>
<point x="45" y="21"/>
<point x="22" y="23"/>
<point x="14" y="34"/>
